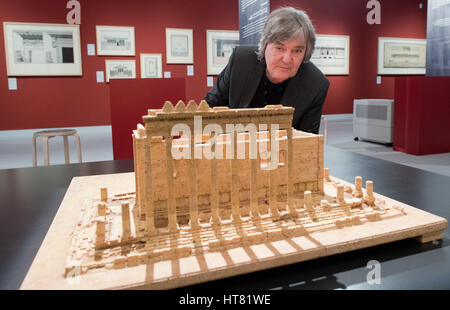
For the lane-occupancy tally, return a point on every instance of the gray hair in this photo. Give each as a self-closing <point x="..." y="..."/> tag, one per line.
<point x="284" y="24"/>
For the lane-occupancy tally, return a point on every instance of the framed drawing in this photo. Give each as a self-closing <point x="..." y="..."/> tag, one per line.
<point x="115" y="41"/>
<point x="332" y="54"/>
<point x="219" y="46"/>
<point x="151" y="66"/>
<point x="401" y="56"/>
<point x="179" y="46"/>
<point x="42" y="49"/>
<point x="120" y="69"/>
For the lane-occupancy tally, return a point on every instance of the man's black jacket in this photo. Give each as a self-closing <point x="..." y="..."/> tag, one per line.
<point x="237" y="83"/>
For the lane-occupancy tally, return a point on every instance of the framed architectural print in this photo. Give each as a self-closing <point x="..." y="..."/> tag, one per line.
<point x="115" y="41"/>
<point x="120" y="69"/>
<point x="401" y="56"/>
<point x="42" y="49"/>
<point x="332" y="54"/>
<point x="179" y="46"/>
<point x="151" y="66"/>
<point x="219" y="46"/>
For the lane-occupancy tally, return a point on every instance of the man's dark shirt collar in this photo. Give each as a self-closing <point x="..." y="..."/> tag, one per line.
<point x="268" y="93"/>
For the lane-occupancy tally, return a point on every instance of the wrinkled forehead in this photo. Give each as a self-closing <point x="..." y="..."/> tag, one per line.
<point x="284" y="36"/>
<point x="295" y="41"/>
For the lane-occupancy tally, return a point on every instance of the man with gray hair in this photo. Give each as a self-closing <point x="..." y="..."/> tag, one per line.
<point x="276" y="72"/>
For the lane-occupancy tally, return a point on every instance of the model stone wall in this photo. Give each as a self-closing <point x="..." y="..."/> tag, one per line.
<point x="307" y="166"/>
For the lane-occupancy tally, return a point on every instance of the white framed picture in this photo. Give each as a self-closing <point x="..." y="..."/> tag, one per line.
<point x="115" y="41"/>
<point x="34" y="49"/>
<point x="120" y="69"/>
<point x="219" y="47"/>
<point x="332" y="54"/>
<point x="179" y="46"/>
<point x="151" y="66"/>
<point x="400" y="56"/>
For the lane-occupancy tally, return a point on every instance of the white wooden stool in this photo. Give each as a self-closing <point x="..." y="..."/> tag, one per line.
<point x="48" y="134"/>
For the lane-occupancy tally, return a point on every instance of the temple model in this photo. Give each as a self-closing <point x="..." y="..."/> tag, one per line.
<point x="223" y="191"/>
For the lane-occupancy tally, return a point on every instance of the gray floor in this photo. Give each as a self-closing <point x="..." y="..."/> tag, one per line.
<point x="16" y="149"/>
<point x="340" y="135"/>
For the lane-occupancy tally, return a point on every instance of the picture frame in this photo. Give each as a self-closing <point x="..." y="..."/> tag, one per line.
<point x="151" y="66"/>
<point x="39" y="49"/>
<point x="115" y="41"/>
<point x="179" y="46"/>
<point x="401" y="56"/>
<point x="120" y="69"/>
<point x="332" y="54"/>
<point x="219" y="47"/>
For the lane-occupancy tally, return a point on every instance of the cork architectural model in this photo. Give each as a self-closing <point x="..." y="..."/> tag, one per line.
<point x="216" y="192"/>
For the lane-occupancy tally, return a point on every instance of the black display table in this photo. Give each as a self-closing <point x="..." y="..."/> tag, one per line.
<point x="30" y="198"/>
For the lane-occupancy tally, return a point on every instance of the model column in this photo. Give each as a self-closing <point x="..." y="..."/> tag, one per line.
<point x="214" y="186"/>
<point x="149" y="216"/>
<point x="273" y="186"/>
<point x="290" y="161"/>
<point x="234" y="177"/>
<point x="193" y="212"/>
<point x="171" y="202"/>
<point x="253" y="155"/>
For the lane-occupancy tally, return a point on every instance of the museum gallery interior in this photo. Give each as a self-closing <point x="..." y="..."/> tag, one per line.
<point x="191" y="195"/>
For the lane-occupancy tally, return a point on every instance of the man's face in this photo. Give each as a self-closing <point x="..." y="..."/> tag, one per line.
<point x="284" y="58"/>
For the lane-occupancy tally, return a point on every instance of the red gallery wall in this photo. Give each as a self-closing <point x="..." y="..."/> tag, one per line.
<point x="79" y="101"/>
